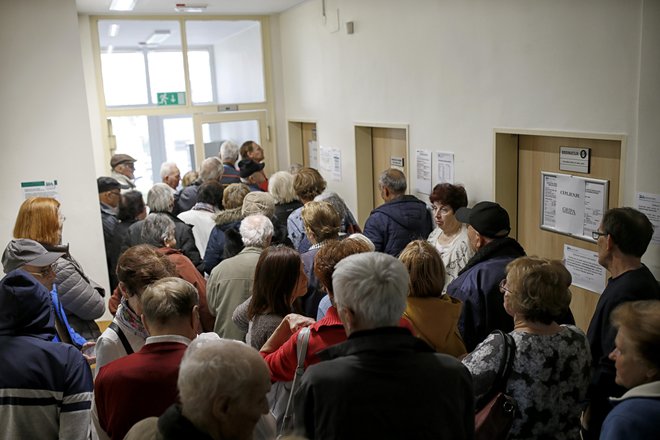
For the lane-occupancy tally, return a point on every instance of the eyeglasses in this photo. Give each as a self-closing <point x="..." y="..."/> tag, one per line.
<point x="503" y="288"/>
<point x="44" y="272"/>
<point x="597" y="234"/>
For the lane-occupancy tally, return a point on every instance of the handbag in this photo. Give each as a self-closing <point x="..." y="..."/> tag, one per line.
<point x="301" y="353"/>
<point x="494" y="418"/>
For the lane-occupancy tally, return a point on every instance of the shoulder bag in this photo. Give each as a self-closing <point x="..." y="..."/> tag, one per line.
<point x="303" y="339"/>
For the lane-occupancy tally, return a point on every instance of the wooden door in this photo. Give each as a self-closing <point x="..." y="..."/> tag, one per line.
<point x="390" y="149"/>
<point x="541" y="153"/>
<point x="300" y="135"/>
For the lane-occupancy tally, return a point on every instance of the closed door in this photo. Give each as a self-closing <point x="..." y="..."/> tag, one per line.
<point x="389" y="150"/>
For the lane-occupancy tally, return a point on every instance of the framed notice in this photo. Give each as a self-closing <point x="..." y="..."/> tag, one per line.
<point x="572" y="205"/>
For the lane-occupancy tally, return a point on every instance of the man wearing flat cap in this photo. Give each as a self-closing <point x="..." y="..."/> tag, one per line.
<point x="477" y="285"/>
<point x="123" y="167"/>
<point x="252" y="174"/>
<point x="109" y="197"/>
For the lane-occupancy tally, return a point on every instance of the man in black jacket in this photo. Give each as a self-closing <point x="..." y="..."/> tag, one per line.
<point x="109" y="196"/>
<point x="382" y="382"/>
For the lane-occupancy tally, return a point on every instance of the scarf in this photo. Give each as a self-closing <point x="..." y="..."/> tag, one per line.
<point x="128" y="318"/>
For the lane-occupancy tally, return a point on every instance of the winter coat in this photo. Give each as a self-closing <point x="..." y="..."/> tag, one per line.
<point x="435" y="321"/>
<point x="216" y="245"/>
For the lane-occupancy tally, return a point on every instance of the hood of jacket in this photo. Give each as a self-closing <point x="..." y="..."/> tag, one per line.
<point x="499" y="247"/>
<point x="408" y="211"/>
<point x="436" y="321"/>
<point x="228" y="216"/>
<point x="25" y="307"/>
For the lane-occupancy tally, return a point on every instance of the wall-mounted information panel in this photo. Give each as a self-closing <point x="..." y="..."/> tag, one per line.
<point x="572" y="205"/>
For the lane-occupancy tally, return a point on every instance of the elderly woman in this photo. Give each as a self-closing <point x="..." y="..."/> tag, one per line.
<point x="433" y="316"/>
<point x="280" y="186"/>
<point x="40" y="219"/>
<point x="279" y="279"/>
<point x="159" y="231"/>
<point x="551" y="369"/>
<point x="138" y="267"/>
<point x="202" y="215"/>
<point x="636" y="357"/>
<point x="450" y="237"/>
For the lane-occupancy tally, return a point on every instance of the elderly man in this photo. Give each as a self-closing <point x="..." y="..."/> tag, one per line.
<point x="143" y="384"/>
<point x="211" y="171"/>
<point x="252" y="174"/>
<point x="46" y="387"/>
<point x="622" y="238"/>
<point x="229" y="156"/>
<point x="477" y="285"/>
<point x="351" y="393"/>
<point x="222" y="388"/>
<point x="123" y="169"/>
<point x="160" y="199"/>
<point x="230" y="283"/>
<point x="170" y="174"/>
<point x="109" y="191"/>
<point x="401" y="219"/>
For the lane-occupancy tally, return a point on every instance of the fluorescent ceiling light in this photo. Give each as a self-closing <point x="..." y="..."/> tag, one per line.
<point x="114" y="30"/>
<point x="158" y="37"/>
<point x="190" y="7"/>
<point x="122" y="5"/>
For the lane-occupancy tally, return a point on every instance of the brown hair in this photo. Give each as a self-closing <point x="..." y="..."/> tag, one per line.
<point x="332" y="253"/>
<point x="448" y="194"/>
<point x="275" y="277"/>
<point x="322" y="220"/>
<point x="38" y="220"/>
<point x="427" y="273"/>
<point x="234" y="194"/>
<point x="538" y="288"/>
<point x="640" y="319"/>
<point x="140" y="266"/>
<point x="308" y="183"/>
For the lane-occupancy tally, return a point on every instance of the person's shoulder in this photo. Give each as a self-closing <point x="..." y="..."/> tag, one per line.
<point x="146" y="429"/>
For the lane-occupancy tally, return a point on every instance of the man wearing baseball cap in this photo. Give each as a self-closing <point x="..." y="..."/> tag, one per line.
<point x="477" y="285"/>
<point x="123" y="169"/>
<point x="252" y="174"/>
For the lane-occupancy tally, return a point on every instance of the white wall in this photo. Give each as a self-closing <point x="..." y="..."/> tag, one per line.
<point x="45" y="123"/>
<point x="456" y="69"/>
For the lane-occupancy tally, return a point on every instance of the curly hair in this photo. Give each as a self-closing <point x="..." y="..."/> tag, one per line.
<point x="140" y="266"/>
<point x="308" y="183"/>
<point x="332" y="253"/>
<point x="448" y="194"/>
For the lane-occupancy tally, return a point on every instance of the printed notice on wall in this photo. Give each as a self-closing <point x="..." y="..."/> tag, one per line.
<point x="584" y="268"/>
<point x="423" y="165"/>
<point x="569" y="212"/>
<point x="649" y="204"/>
<point x="549" y="199"/>
<point x="336" y="164"/>
<point x="444" y="168"/>
<point x="313" y="149"/>
<point x="40" y="188"/>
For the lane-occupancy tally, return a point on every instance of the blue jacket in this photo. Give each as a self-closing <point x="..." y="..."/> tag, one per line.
<point x="478" y="286"/>
<point x="396" y="223"/>
<point x="77" y="340"/>
<point x="46" y="386"/>
<point x="635" y="415"/>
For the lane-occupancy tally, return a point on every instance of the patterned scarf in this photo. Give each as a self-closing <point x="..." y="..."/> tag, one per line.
<point x="128" y="318"/>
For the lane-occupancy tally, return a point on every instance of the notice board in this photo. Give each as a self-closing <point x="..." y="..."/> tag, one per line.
<point x="572" y="205"/>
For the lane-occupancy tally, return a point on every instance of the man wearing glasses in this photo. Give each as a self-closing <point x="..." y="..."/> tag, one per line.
<point x="109" y="197"/>
<point x="123" y="169"/>
<point x="622" y="239"/>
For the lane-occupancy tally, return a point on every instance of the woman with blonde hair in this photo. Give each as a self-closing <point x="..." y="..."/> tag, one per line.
<point x="280" y="186"/>
<point x="551" y="366"/>
<point x="41" y="219"/>
<point x="433" y="316"/>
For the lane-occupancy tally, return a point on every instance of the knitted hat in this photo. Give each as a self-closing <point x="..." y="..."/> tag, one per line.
<point x="258" y="202"/>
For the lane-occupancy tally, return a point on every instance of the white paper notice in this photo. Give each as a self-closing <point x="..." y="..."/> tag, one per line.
<point x="336" y="164"/>
<point x="570" y="206"/>
<point x="313" y="149"/>
<point x="325" y="160"/>
<point x="584" y="268"/>
<point x="445" y="167"/>
<point x="549" y="200"/>
<point x="423" y="160"/>
<point x="40" y="188"/>
<point x="649" y="204"/>
<point x="594" y="201"/>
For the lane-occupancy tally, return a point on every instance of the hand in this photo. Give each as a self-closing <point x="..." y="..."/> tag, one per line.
<point x="89" y="352"/>
<point x="296" y="322"/>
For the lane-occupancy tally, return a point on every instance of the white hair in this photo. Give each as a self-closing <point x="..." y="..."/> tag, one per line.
<point x="160" y="198"/>
<point x="212" y="368"/>
<point x="357" y="236"/>
<point x="256" y="230"/>
<point x="373" y="286"/>
<point x="211" y="169"/>
<point x="167" y="169"/>
<point x="229" y="151"/>
<point x="280" y="186"/>
<point x="156" y="229"/>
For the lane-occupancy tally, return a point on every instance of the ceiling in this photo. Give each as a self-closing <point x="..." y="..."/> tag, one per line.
<point x="215" y="7"/>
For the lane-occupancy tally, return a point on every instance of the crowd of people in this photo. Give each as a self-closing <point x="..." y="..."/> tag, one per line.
<point x="246" y="306"/>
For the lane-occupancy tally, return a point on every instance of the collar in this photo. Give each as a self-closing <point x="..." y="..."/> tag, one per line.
<point x="377" y="340"/>
<point x="108" y="209"/>
<point x="167" y="338"/>
<point x="499" y="247"/>
<point x="649" y="390"/>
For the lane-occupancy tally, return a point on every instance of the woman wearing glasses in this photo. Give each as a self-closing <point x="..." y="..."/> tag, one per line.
<point x="40" y="219"/>
<point x="551" y="368"/>
<point x="450" y="237"/>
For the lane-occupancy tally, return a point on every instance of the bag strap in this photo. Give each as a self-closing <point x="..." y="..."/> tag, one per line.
<point x="122" y="337"/>
<point x="504" y="370"/>
<point x="302" y="341"/>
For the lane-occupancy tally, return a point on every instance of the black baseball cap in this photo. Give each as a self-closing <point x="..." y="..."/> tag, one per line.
<point x="488" y="218"/>
<point x="249" y="167"/>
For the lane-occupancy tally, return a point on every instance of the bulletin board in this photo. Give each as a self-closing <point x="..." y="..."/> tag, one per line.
<point x="572" y="205"/>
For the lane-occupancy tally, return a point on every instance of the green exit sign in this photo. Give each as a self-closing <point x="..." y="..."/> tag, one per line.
<point x="172" y="98"/>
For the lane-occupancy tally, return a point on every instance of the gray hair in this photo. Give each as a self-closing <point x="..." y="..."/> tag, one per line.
<point x="213" y="368"/>
<point x="211" y="169"/>
<point x="280" y="186"/>
<point x="357" y="236"/>
<point x="157" y="228"/>
<point x="160" y="198"/>
<point x="373" y="286"/>
<point x="394" y="180"/>
<point x="336" y="202"/>
<point x="256" y="230"/>
<point x="168" y="300"/>
<point x="229" y="151"/>
<point x="167" y="169"/>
